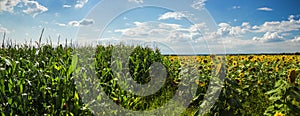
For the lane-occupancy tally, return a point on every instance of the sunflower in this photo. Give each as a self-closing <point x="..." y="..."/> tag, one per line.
<point x="234" y="63"/>
<point x="282" y="58"/>
<point x="200" y="67"/>
<point x="198" y="59"/>
<point x="238" y="80"/>
<point x="250" y="57"/>
<point x="241" y="75"/>
<point x="241" y="58"/>
<point x="171" y="59"/>
<point x="204" y="61"/>
<point x="279" y="114"/>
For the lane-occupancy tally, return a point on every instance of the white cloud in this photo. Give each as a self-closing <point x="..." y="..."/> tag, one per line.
<point x="240" y="38"/>
<point x="137" y="1"/>
<point x="83" y="22"/>
<point x="198" y="27"/>
<point x="274" y="31"/>
<point x="174" y="15"/>
<point x="154" y="31"/>
<point x="34" y="8"/>
<point x="236" y="7"/>
<point x="227" y="30"/>
<point x="80" y="3"/>
<point x="291" y="18"/>
<point x="74" y="23"/>
<point x="227" y="33"/>
<point x="169" y="26"/>
<point x="61" y="24"/>
<point x="270" y="37"/>
<point x="265" y="9"/>
<point x="66" y="6"/>
<point x="139" y="29"/>
<point x="8" y="5"/>
<point x="175" y="33"/>
<point x="198" y="4"/>
<point x="3" y="29"/>
<point x="279" y="26"/>
<point x="296" y="39"/>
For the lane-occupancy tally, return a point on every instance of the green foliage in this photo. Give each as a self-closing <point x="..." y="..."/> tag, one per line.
<point x="140" y="60"/>
<point x="37" y="81"/>
<point x="49" y="80"/>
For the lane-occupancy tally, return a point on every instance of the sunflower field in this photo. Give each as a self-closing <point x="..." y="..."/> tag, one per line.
<point x="62" y="80"/>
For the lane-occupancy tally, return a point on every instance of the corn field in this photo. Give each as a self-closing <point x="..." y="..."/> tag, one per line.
<point x="43" y="80"/>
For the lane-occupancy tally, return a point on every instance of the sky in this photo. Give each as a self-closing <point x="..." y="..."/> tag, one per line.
<point x="174" y="26"/>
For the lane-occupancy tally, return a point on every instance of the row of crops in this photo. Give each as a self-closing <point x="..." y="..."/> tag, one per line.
<point x="61" y="80"/>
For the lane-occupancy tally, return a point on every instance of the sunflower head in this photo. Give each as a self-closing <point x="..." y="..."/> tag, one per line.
<point x="282" y="58"/>
<point x="250" y="57"/>
<point x="234" y="63"/>
<point x="204" y="61"/>
<point x="238" y="80"/>
<point x="200" y="67"/>
<point x="241" y="74"/>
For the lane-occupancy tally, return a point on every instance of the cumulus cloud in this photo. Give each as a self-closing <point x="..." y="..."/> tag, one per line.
<point x="291" y="18"/>
<point x="236" y="7"/>
<point x="198" y="4"/>
<point x="273" y="31"/>
<point x="83" y="22"/>
<point x="137" y="1"/>
<point x="264" y="9"/>
<point x="175" y="32"/>
<point x="30" y="7"/>
<point x="244" y="37"/>
<point x="61" y="24"/>
<point x="8" y="5"/>
<point x="198" y="27"/>
<point x="141" y="29"/>
<point x="296" y="39"/>
<point x="66" y="6"/>
<point x="226" y="33"/>
<point x="269" y="37"/>
<point x="172" y="15"/>
<point x="279" y="26"/>
<point x="165" y="32"/>
<point x="226" y="29"/>
<point x="34" y="8"/>
<point x="80" y="3"/>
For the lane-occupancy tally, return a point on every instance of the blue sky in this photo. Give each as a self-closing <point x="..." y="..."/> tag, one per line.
<point x="177" y="26"/>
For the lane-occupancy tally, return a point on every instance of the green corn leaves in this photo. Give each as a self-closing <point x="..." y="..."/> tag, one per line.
<point x="40" y="81"/>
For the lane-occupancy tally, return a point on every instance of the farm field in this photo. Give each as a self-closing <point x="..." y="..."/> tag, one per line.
<point x="61" y="80"/>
